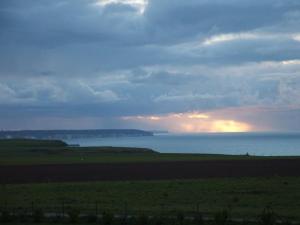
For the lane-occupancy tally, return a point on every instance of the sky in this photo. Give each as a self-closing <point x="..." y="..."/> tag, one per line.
<point x="182" y="66"/>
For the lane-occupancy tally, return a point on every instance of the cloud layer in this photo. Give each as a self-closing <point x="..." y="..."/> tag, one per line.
<point x="90" y="63"/>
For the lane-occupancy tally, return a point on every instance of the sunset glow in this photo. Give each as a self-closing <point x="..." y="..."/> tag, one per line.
<point x="191" y="122"/>
<point x="230" y="126"/>
<point x="198" y="116"/>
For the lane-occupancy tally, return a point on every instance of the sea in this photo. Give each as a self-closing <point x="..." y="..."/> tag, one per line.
<point x="259" y="144"/>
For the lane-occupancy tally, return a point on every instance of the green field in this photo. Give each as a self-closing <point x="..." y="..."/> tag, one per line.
<point x="245" y="197"/>
<point x="78" y="156"/>
<point x="27" y="152"/>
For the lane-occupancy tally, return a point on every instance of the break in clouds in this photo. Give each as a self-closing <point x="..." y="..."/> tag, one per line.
<point x="128" y="64"/>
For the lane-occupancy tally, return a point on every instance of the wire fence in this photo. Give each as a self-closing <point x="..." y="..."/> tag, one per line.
<point x="78" y="209"/>
<point x="97" y="207"/>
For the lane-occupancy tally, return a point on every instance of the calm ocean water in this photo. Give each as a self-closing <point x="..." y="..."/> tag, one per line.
<point x="275" y="144"/>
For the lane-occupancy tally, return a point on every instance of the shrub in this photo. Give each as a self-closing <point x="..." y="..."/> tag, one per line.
<point x="22" y="216"/>
<point x="267" y="217"/>
<point x="180" y="218"/>
<point x="107" y="218"/>
<point x="38" y="216"/>
<point x="142" y="220"/>
<point x="73" y="215"/>
<point x="222" y="217"/>
<point x="132" y="220"/>
<point x="5" y="216"/>
<point x="286" y="222"/>
<point x="159" y="220"/>
<point x="198" y="219"/>
<point x="123" y="220"/>
<point x="245" y="222"/>
<point x="91" y="218"/>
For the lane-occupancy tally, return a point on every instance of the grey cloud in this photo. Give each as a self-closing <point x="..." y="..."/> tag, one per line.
<point x="56" y="35"/>
<point x="60" y="57"/>
<point x="202" y="18"/>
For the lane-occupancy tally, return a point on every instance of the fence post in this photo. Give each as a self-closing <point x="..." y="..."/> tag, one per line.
<point x="125" y="209"/>
<point x="96" y="208"/>
<point x="63" y="209"/>
<point x="5" y="205"/>
<point x="32" y="208"/>
<point x="162" y="205"/>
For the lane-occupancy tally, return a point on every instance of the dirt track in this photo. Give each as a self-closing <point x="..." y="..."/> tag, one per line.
<point x="149" y="171"/>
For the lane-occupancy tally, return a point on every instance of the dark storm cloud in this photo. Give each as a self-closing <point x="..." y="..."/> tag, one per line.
<point x="83" y="58"/>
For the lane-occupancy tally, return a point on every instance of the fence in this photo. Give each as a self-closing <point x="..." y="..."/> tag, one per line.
<point x="98" y="207"/>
